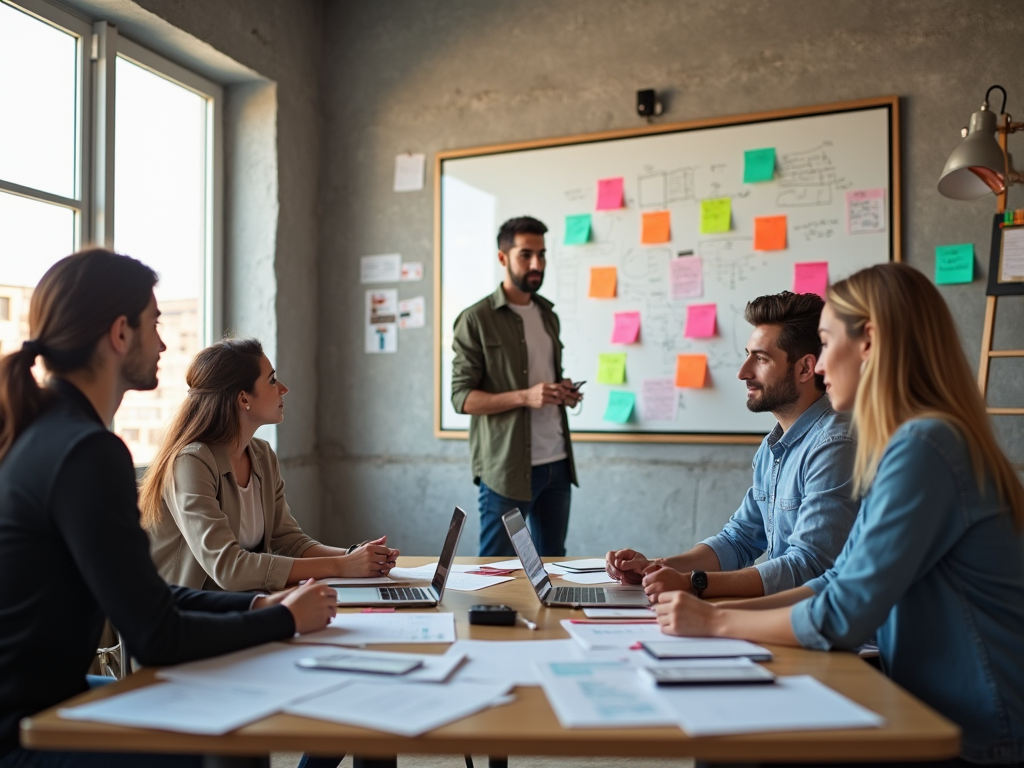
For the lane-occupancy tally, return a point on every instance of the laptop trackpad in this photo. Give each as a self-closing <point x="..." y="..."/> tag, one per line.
<point x="357" y="595"/>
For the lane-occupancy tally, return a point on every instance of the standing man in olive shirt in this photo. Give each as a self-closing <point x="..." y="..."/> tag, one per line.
<point x="507" y="375"/>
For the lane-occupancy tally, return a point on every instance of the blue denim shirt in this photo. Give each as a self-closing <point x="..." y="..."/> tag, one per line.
<point x="800" y="508"/>
<point x="937" y="570"/>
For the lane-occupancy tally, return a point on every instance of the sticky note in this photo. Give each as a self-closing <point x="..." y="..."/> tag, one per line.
<point x="758" y="165"/>
<point x="715" y="215"/>
<point x="769" y="233"/>
<point x="658" y="400"/>
<point x="954" y="263"/>
<point x="602" y="283"/>
<point x="611" y="368"/>
<point x="609" y="194"/>
<point x="700" y="321"/>
<point x="627" y="328"/>
<point x="811" y="277"/>
<point x="686" y="277"/>
<point x="577" y="229"/>
<point x="655" y="227"/>
<point x="620" y="406"/>
<point x="691" y="371"/>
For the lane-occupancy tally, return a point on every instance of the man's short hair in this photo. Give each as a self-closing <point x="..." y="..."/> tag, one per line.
<point x="520" y="225"/>
<point x="797" y="315"/>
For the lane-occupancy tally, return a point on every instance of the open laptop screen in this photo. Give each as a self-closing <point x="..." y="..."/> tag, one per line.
<point x="523" y="543"/>
<point x="451" y="542"/>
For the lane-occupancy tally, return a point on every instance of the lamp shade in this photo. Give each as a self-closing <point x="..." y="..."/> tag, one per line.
<point x="976" y="167"/>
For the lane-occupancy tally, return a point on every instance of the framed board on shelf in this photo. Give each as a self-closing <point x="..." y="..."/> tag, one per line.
<point x="711" y="214"/>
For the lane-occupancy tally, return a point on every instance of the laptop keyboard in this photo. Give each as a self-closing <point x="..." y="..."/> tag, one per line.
<point x="403" y="593"/>
<point x="578" y="595"/>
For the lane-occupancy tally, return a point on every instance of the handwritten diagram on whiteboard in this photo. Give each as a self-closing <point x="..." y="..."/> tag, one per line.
<point x="687" y="242"/>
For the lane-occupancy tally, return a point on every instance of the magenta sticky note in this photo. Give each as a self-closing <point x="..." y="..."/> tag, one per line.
<point x="609" y="194"/>
<point x="627" y="328"/>
<point x="700" y="321"/>
<point x="811" y="277"/>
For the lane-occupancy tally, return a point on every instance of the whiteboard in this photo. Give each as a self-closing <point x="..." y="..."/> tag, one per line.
<point x="821" y="154"/>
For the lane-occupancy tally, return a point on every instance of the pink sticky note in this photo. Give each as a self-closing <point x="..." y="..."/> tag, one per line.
<point x="609" y="194"/>
<point x="700" y="321"/>
<point x="811" y="277"/>
<point x="686" y="277"/>
<point x="627" y="328"/>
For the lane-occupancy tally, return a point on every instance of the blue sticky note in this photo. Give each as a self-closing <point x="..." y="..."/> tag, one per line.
<point x="758" y="165"/>
<point x="577" y="229"/>
<point x="620" y="406"/>
<point x="954" y="264"/>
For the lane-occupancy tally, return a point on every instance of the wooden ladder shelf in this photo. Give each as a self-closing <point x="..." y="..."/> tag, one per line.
<point x="988" y="354"/>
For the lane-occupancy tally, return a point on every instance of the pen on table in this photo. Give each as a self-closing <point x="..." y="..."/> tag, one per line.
<point x="529" y="624"/>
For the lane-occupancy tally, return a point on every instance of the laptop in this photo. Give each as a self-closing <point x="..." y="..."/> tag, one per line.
<point x="564" y="597"/>
<point x="410" y="597"/>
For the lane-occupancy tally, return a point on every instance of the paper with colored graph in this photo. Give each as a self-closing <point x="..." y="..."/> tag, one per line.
<point x="611" y="368"/>
<point x="602" y="283"/>
<point x="609" y="194"/>
<point x="715" y="215"/>
<point x="700" y="321"/>
<point x="811" y="277"/>
<point x="656" y="226"/>
<point x="620" y="406"/>
<point x="627" y="328"/>
<point x="691" y="371"/>
<point x="769" y="233"/>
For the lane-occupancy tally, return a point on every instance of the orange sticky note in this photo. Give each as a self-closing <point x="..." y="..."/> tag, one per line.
<point x="691" y="370"/>
<point x="655" y="227"/>
<point x="602" y="283"/>
<point x="770" y="233"/>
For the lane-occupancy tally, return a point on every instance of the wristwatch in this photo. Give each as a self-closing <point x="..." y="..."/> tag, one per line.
<point x="698" y="582"/>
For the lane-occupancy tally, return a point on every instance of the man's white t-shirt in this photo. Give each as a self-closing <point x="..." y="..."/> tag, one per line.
<point x="548" y="442"/>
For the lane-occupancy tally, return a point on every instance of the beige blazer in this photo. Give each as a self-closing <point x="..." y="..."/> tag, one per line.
<point x="196" y="542"/>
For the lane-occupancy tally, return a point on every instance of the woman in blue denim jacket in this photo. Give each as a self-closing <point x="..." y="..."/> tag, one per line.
<point x="934" y="566"/>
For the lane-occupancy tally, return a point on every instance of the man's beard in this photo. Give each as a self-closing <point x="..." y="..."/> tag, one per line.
<point x="522" y="281"/>
<point x="777" y="396"/>
<point x="138" y="372"/>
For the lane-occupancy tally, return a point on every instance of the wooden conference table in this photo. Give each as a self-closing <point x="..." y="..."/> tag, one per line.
<point x="528" y="726"/>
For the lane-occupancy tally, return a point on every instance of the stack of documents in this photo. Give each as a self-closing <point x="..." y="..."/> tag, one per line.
<point x="458" y="579"/>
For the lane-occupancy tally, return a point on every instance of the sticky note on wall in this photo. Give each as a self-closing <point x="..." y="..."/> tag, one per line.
<point x="609" y="194"/>
<point x="620" y="406"/>
<point x="686" y="276"/>
<point x="627" y="328"/>
<point x="656" y="227"/>
<point x="577" y="229"/>
<point x="691" y="371"/>
<point x="811" y="277"/>
<point x="769" y="233"/>
<point x="658" y="400"/>
<point x="611" y="368"/>
<point x="602" y="283"/>
<point x="758" y="165"/>
<point x="700" y="321"/>
<point x="715" y="215"/>
<point x="954" y="264"/>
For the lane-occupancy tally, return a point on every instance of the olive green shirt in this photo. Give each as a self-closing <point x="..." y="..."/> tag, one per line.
<point x="490" y="355"/>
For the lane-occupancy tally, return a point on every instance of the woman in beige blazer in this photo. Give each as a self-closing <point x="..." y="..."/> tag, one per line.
<point x="213" y="499"/>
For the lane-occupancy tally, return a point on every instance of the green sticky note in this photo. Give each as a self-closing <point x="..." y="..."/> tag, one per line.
<point x="758" y="165"/>
<point x="577" y="229"/>
<point x="954" y="263"/>
<point x="715" y="215"/>
<point x="620" y="406"/>
<point x="611" y="368"/>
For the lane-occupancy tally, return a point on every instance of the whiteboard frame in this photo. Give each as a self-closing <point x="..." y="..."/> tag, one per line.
<point x="895" y="236"/>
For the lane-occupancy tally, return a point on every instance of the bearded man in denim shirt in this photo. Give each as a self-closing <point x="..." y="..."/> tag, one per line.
<point x="799" y="509"/>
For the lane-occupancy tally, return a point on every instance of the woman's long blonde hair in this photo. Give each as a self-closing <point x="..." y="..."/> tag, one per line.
<point x="916" y="369"/>
<point x="209" y="414"/>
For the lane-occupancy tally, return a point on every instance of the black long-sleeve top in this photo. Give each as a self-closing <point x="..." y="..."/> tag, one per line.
<point x="72" y="553"/>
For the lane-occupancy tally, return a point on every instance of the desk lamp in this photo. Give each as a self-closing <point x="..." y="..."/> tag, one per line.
<point x="980" y="164"/>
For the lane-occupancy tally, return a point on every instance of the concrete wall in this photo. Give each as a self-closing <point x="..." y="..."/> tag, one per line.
<point x="427" y="75"/>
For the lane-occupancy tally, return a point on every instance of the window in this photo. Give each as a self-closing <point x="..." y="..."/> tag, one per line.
<point x="5" y="308"/>
<point x="143" y="177"/>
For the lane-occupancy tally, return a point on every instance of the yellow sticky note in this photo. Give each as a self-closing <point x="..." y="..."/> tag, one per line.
<point x="655" y="228"/>
<point x="715" y="215"/>
<point x="611" y="368"/>
<point x="602" y="283"/>
<point x="691" y="370"/>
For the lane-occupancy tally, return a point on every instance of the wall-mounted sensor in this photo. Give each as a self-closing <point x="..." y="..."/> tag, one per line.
<point x="647" y="104"/>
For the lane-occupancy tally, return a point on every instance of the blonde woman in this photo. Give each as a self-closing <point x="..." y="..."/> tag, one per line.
<point x="213" y="500"/>
<point x="933" y="567"/>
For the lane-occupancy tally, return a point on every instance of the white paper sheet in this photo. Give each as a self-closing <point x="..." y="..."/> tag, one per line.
<point x="584" y="564"/>
<point x="437" y="668"/>
<point x="792" y="704"/>
<point x="555" y="570"/>
<point x="412" y="313"/>
<point x="1013" y="254"/>
<point x="373" y="628"/>
<point x="381" y="330"/>
<point x="184" y="707"/>
<point x="470" y="582"/>
<point x="426" y="572"/>
<point x="409" y="172"/>
<point x="588" y="578"/>
<point x="407" y="709"/>
<point x="602" y="695"/>
<point x="514" y="661"/>
<point x="618" y="613"/>
<point x="618" y="636"/>
<point x="505" y="565"/>
<point x="384" y="268"/>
